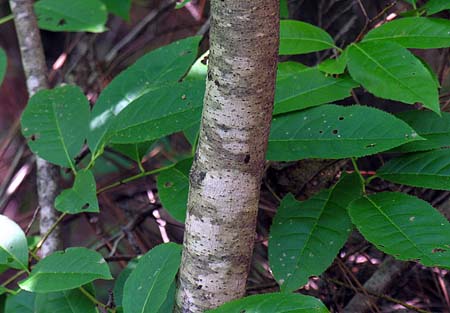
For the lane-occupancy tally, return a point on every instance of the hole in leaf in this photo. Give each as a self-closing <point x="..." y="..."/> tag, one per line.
<point x="341" y="118"/>
<point x="435" y="250"/>
<point x="371" y="145"/>
<point x="320" y="131"/>
<point x="62" y="22"/>
<point x="335" y="131"/>
<point x="168" y="184"/>
<point x="34" y="137"/>
<point x="85" y="206"/>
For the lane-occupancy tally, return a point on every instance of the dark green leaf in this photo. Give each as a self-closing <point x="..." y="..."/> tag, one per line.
<point x="3" y="65"/>
<point x="173" y="189"/>
<point x="435" y="129"/>
<point x="69" y="301"/>
<point x="404" y="226"/>
<point x="119" y="7"/>
<point x="436" y="6"/>
<point x="273" y="303"/>
<point x="299" y="37"/>
<point x="13" y="245"/>
<point x="64" y="270"/>
<point x="81" y="197"/>
<point x="426" y="169"/>
<point x="148" y="286"/>
<point x="335" y="132"/>
<point x="284" y="11"/>
<point x="135" y="151"/>
<point x="55" y="124"/>
<point x="180" y="4"/>
<point x="413" y="32"/>
<point x="23" y="302"/>
<point x="121" y="279"/>
<point x="303" y="88"/>
<point x="151" y="81"/>
<point x="390" y="71"/>
<point x="305" y="237"/>
<point x="72" y="16"/>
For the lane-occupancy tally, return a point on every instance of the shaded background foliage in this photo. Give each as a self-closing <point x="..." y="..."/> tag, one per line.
<point x="132" y="219"/>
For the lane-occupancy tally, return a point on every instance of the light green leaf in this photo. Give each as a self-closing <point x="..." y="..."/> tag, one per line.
<point x="13" y="245"/>
<point x="64" y="270"/>
<point x="149" y="284"/>
<point x="81" y="197"/>
<point x="68" y="301"/>
<point x="390" y="71"/>
<point x="426" y="169"/>
<point x="72" y="16"/>
<point x="273" y="303"/>
<point x="119" y="7"/>
<point x="404" y="226"/>
<point x="173" y="189"/>
<point x="436" y="6"/>
<point x="305" y="237"/>
<point x="435" y="129"/>
<point x="23" y="302"/>
<point x="413" y="32"/>
<point x="299" y="37"/>
<point x="3" y="64"/>
<point x="180" y="4"/>
<point x="335" y="132"/>
<point x="151" y="81"/>
<point x="55" y="124"/>
<point x="303" y="88"/>
<point x="334" y="66"/>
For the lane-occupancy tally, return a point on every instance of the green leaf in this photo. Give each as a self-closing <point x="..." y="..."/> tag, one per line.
<point x="81" y="197"/>
<point x="426" y="169"/>
<point x="55" y="124"/>
<point x="273" y="303"/>
<point x="72" y="16"/>
<point x="135" y="151"/>
<point x="436" y="6"/>
<point x="404" y="226"/>
<point x="335" y="132"/>
<point x="390" y="71"/>
<point x="119" y="7"/>
<point x="334" y="66"/>
<point x="148" y="286"/>
<point x="13" y="244"/>
<point x="64" y="270"/>
<point x="3" y="65"/>
<point x="284" y="11"/>
<point x="180" y="4"/>
<point x="121" y="279"/>
<point x="23" y="302"/>
<point x="299" y="37"/>
<point x="413" y="32"/>
<point x="68" y="301"/>
<point x="297" y="90"/>
<point x="151" y="84"/>
<point x="305" y="237"/>
<point x="173" y="189"/>
<point x="435" y="129"/>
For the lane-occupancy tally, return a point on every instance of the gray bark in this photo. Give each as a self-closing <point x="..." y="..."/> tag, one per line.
<point x="226" y="175"/>
<point x="33" y="61"/>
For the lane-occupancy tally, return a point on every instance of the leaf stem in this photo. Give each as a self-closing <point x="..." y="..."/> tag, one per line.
<point x="6" y="19"/>
<point x="95" y="301"/>
<point x="47" y="234"/>
<point x="363" y="181"/>
<point x="135" y="177"/>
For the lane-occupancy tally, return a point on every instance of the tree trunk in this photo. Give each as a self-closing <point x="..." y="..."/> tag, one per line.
<point x="33" y="62"/>
<point x="226" y="175"/>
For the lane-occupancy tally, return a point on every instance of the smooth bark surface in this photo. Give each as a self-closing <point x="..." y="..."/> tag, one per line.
<point x="33" y="61"/>
<point x="226" y="175"/>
